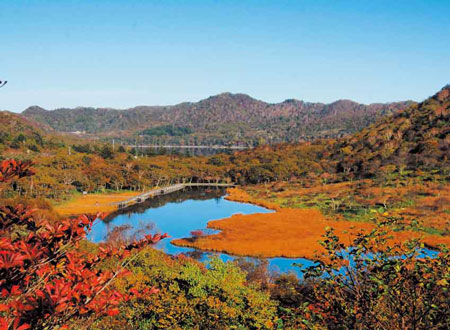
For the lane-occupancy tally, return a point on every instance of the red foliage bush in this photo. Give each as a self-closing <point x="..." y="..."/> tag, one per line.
<point x="44" y="279"/>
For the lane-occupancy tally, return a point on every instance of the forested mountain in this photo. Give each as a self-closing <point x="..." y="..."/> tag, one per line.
<point x="17" y="132"/>
<point x="222" y="119"/>
<point x="414" y="141"/>
<point x="416" y="138"/>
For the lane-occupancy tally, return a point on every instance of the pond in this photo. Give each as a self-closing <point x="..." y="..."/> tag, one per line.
<point x="180" y="213"/>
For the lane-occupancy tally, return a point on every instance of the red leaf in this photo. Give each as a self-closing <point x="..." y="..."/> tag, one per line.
<point x="15" y="290"/>
<point x="113" y="312"/>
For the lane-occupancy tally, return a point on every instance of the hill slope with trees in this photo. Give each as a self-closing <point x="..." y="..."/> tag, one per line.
<point x="221" y="119"/>
<point x="416" y="138"/>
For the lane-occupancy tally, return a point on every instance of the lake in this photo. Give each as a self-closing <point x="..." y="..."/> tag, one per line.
<point x="180" y="213"/>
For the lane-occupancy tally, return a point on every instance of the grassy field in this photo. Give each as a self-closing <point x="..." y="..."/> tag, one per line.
<point x="288" y="232"/>
<point x="92" y="203"/>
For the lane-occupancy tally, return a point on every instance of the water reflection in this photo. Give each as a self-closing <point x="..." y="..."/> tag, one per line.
<point x="179" y="214"/>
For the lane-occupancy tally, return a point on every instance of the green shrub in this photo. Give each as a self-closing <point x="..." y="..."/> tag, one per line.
<point x="191" y="296"/>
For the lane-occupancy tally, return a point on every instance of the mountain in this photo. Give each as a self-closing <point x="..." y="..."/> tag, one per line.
<point x="17" y="132"/>
<point x="221" y="119"/>
<point x="415" y="138"/>
<point x="413" y="143"/>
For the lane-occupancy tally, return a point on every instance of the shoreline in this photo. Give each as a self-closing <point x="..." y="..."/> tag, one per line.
<point x="285" y="233"/>
<point x="92" y="203"/>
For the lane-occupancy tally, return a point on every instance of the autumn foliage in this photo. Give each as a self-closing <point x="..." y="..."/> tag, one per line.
<point x="45" y="279"/>
<point x="10" y="169"/>
<point x="291" y="232"/>
<point x="393" y="175"/>
<point x="401" y="287"/>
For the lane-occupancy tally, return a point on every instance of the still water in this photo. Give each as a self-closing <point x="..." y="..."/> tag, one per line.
<point x="180" y="213"/>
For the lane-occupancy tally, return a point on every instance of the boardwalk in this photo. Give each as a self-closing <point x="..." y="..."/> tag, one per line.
<point x="164" y="191"/>
<point x="219" y="147"/>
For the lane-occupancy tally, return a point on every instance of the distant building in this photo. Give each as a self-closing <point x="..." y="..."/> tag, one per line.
<point x="78" y="132"/>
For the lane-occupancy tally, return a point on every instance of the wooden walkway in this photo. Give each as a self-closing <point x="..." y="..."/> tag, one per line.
<point x="218" y="147"/>
<point x="164" y="191"/>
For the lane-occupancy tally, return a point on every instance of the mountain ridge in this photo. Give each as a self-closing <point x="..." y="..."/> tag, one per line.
<point x="224" y="118"/>
<point x="234" y="95"/>
<point x="416" y="137"/>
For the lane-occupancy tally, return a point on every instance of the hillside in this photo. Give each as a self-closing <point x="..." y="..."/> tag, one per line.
<point x="413" y="142"/>
<point x="415" y="138"/>
<point x="222" y="119"/>
<point x="17" y="132"/>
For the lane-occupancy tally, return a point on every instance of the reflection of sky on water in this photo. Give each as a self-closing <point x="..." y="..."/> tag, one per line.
<point x="178" y="219"/>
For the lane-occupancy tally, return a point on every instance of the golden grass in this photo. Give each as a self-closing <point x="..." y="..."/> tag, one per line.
<point x="239" y="195"/>
<point x="92" y="203"/>
<point x="425" y="205"/>
<point x="288" y="232"/>
<point x="285" y="233"/>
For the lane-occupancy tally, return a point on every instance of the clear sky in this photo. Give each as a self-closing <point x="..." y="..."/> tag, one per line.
<point x="126" y="53"/>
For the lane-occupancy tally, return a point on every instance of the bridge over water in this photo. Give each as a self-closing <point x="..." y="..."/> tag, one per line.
<point x="218" y="147"/>
<point x="164" y="191"/>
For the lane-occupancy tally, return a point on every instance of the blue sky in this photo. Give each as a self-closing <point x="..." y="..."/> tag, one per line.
<point x="126" y="53"/>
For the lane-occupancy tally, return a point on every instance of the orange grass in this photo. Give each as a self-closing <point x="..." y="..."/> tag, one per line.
<point x="288" y="232"/>
<point x="92" y="203"/>
<point x="430" y="201"/>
